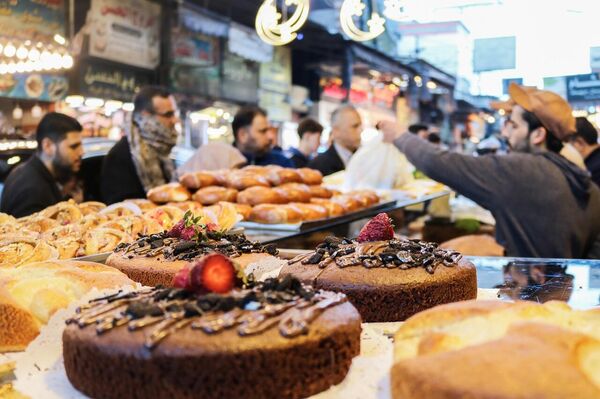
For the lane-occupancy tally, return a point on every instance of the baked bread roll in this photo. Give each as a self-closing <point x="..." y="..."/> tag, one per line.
<point x="64" y="212"/>
<point x="349" y="203"/>
<point x="31" y="294"/>
<point x="260" y="195"/>
<point x="320" y="192"/>
<point x="366" y="198"/>
<point x="275" y="214"/>
<point x="185" y="206"/>
<point x="294" y="192"/>
<point x="310" y="211"/>
<point x="143" y="204"/>
<point x="310" y="176"/>
<point x="172" y="192"/>
<point x="101" y="239"/>
<point x="196" y="180"/>
<point x="279" y="176"/>
<point x="91" y="207"/>
<point x="333" y="208"/>
<point x="166" y="216"/>
<point x="6" y="218"/>
<point x="37" y="223"/>
<point x="242" y="209"/>
<point x="241" y="180"/>
<point x="214" y="194"/>
<point x="493" y="349"/>
<point x="65" y="239"/>
<point x="16" y="251"/>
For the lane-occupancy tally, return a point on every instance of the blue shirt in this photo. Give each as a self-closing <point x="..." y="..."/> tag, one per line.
<point x="273" y="157"/>
<point x="298" y="158"/>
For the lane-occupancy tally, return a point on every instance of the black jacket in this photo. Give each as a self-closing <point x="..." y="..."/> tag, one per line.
<point x="119" y="179"/>
<point x="29" y="188"/>
<point x="592" y="163"/>
<point x="328" y="162"/>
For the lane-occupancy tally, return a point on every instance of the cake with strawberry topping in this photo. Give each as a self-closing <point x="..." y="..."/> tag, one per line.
<point x="212" y="335"/>
<point x="386" y="278"/>
<point x="155" y="259"/>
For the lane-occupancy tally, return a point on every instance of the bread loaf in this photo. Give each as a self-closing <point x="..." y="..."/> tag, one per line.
<point x="30" y="294"/>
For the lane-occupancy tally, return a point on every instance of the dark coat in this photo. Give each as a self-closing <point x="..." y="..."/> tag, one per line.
<point x="328" y="162"/>
<point x="119" y="179"/>
<point x="29" y="188"/>
<point x="592" y="163"/>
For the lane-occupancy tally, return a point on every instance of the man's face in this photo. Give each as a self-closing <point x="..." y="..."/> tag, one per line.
<point x="165" y="111"/>
<point x="347" y="130"/>
<point x="312" y="140"/>
<point x="65" y="155"/>
<point x="256" y="139"/>
<point x="516" y="131"/>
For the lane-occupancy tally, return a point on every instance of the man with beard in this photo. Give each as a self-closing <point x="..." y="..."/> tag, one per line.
<point x="544" y="205"/>
<point x="254" y="138"/>
<point x="346" y="129"/>
<point x="141" y="160"/>
<point x="41" y="181"/>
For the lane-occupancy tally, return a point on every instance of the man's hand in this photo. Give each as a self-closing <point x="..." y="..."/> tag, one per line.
<point x="391" y="130"/>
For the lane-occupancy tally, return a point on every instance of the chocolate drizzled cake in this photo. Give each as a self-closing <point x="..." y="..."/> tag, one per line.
<point x="275" y="339"/>
<point x="387" y="280"/>
<point x="155" y="259"/>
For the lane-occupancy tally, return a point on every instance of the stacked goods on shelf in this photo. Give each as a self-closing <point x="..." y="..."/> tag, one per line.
<point x="270" y="195"/>
<point x="68" y="230"/>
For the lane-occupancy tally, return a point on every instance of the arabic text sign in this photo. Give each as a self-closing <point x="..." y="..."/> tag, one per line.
<point x="36" y="20"/>
<point x="126" y="31"/>
<point x="583" y="87"/>
<point x="110" y="82"/>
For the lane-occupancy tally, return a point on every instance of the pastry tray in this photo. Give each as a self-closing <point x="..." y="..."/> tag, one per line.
<point x="316" y="224"/>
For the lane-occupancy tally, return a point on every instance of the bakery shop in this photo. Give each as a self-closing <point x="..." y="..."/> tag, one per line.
<point x="297" y="200"/>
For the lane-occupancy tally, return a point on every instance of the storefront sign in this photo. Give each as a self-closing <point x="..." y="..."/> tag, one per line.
<point x="277" y="105"/>
<point x="35" y="20"/>
<point x="192" y="48"/>
<point x="557" y="84"/>
<point x="35" y="86"/>
<point x="277" y="75"/>
<point x="126" y="31"/>
<point x="245" y="42"/>
<point x="240" y="79"/>
<point x="195" y="80"/>
<point x="583" y="87"/>
<point x="202" y="21"/>
<point x="110" y="82"/>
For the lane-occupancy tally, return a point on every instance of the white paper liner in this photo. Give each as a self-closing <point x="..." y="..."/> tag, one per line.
<point x="41" y="373"/>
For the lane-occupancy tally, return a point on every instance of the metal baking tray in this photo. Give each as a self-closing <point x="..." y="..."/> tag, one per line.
<point x="315" y="224"/>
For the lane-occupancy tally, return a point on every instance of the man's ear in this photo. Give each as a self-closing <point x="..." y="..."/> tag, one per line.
<point x="48" y="147"/>
<point x="538" y="136"/>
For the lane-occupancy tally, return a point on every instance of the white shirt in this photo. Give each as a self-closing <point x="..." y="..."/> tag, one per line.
<point x="344" y="153"/>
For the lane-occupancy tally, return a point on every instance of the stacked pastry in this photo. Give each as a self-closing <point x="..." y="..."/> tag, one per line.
<point x="270" y="194"/>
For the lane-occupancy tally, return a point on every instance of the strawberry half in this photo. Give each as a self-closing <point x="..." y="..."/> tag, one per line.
<point x="214" y="273"/>
<point x="176" y="230"/>
<point x="380" y="228"/>
<point x="183" y="278"/>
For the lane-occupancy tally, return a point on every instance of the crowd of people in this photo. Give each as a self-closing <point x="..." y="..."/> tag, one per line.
<point x="544" y="205"/>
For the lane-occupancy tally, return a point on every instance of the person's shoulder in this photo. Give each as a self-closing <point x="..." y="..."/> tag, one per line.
<point x="278" y="158"/>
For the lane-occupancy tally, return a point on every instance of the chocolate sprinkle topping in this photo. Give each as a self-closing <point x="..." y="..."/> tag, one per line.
<point x="284" y="302"/>
<point x="232" y="245"/>
<point x="398" y="253"/>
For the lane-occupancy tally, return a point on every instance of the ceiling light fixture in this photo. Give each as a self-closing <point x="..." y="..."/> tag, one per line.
<point x="273" y="28"/>
<point x="355" y="8"/>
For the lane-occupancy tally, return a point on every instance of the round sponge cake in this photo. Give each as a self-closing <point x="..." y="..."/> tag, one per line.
<point x="191" y="363"/>
<point x="387" y="281"/>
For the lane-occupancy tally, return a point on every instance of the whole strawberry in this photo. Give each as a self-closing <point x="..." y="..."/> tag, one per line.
<point x="380" y="228"/>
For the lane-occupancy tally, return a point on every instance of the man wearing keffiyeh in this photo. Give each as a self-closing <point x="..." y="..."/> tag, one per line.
<point x="141" y="160"/>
